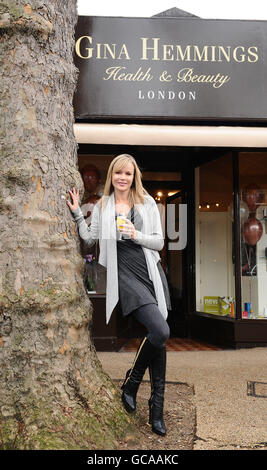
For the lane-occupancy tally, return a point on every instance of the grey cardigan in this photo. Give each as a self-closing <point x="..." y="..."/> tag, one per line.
<point x="103" y="228"/>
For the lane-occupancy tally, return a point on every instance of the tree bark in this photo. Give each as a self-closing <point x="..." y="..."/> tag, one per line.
<point x="53" y="391"/>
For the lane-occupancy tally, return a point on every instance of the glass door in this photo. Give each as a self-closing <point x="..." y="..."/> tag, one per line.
<point x="176" y="237"/>
<point x="215" y="248"/>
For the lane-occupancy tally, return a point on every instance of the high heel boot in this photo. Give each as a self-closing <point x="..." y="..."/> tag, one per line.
<point x="145" y="354"/>
<point x="157" y="372"/>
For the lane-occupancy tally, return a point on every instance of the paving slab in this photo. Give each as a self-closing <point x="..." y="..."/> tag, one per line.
<point x="230" y="393"/>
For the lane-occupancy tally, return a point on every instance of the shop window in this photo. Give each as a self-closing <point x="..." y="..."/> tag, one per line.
<point x="215" y="279"/>
<point x="93" y="169"/>
<point x="253" y="231"/>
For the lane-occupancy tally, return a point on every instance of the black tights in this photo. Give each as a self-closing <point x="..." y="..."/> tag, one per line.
<point x="157" y="327"/>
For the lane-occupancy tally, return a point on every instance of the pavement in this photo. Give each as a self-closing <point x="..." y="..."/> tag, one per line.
<point x="228" y="417"/>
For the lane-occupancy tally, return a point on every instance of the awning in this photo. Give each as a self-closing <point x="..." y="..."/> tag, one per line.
<point x="161" y="135"/>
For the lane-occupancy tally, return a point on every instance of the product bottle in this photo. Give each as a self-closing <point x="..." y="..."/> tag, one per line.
<point x="232" y="309"/>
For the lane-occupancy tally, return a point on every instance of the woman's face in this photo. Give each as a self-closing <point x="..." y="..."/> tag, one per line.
<point x="122" y="179"/>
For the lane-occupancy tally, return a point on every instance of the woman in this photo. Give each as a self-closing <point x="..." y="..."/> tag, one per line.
<point x="134" y="274"/>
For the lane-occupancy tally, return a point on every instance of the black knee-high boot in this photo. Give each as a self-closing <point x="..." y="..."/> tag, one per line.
<point x="157" y="372"/>
<point x="145" y="354"/>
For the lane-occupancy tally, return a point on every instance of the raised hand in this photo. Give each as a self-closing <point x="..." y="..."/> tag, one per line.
<point x="75" y="200"/>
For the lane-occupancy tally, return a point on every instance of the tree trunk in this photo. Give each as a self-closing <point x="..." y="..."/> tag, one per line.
<point x="53" y="391"/>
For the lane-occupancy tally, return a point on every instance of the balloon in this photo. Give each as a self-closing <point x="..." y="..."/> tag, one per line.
<point x="253" y="196"/>
<point x="91" y="177"/>
<point x="244" y="211"/>
<point x="252" y="231"/>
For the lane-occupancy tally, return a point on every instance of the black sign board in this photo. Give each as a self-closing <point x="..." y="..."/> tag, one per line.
<point x="170" y="68"/>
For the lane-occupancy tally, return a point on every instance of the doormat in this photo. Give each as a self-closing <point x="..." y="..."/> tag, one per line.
<point x="257" y="389"/>
<point x="174" y="344"/>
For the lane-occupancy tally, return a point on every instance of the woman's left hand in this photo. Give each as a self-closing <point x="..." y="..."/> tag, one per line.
<point x="128" y="229"/>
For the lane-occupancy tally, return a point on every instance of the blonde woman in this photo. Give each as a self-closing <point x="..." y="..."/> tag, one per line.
<point x="130" y="252"/>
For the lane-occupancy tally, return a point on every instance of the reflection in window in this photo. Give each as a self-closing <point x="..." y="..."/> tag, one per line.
<point x="93" y="172"/>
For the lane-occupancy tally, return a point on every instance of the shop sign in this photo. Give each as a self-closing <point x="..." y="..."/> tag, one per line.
<point x="170" y="68"/>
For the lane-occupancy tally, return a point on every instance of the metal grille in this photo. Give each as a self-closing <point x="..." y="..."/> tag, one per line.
<point x="257" y="389"/>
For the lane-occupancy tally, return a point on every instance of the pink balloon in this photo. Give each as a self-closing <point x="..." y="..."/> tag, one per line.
<point x="252" y="231"/>
<point x="91" y="177"/>
<point x="253" y="196"/>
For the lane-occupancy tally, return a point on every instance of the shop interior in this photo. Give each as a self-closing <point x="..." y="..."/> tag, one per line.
<point x="203" y="276"/>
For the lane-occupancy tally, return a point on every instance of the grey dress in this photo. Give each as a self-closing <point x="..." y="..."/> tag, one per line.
<point x="135" y="287"/>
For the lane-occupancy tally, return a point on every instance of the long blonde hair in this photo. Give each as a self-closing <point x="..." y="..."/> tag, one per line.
<point x="137" y="190"/>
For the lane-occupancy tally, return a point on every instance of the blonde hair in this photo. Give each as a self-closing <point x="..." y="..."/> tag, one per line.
<point x="137" y="190"/>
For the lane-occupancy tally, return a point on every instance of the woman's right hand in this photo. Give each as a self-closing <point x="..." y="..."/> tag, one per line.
<point x="75" y="200"/>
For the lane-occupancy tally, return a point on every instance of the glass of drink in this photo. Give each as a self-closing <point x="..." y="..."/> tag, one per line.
<point x="121" y="221"/>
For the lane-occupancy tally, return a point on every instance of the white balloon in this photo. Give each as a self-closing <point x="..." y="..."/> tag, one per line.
<point x="244" y="211"/>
